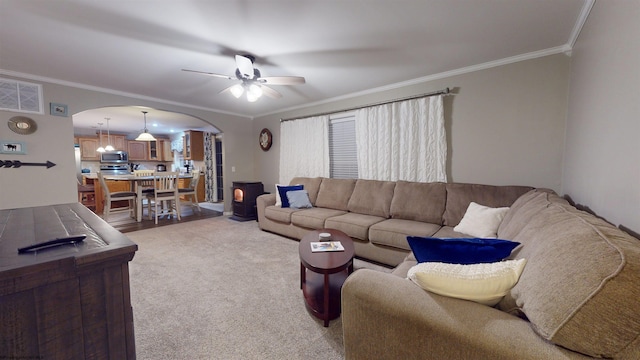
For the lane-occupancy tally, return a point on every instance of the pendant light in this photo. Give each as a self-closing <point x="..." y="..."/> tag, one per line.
<point x="145" y="136"/>
<point x="100" y="149"/>
<point x="108" y="147"/>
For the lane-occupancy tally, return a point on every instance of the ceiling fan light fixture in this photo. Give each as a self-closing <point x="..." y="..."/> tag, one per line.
<point x="145" y="136"/>
<point x="256" y="90"/>
<point x="251" y="97"/>
<point x="237" y="90"/>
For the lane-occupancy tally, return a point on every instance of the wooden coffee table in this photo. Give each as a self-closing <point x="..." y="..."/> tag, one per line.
<point x="323" y="273"/>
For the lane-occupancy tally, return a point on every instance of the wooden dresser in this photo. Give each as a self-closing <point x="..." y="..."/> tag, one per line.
<point x="65" y="302"/>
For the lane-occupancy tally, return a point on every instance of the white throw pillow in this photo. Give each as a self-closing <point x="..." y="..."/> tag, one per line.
<point x="481" y="221"/>
<point x="278" y="199"/>
<point x="483" y="283"/>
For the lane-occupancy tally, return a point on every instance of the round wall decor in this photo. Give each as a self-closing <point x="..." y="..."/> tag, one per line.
<point x="265" y="139"/>
<point x="22" y="125"/>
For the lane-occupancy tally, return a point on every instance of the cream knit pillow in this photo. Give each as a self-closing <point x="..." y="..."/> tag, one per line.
<point x="484" y="283"/>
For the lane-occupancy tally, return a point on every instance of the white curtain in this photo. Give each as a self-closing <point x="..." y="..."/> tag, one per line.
<point x="405" y="140"/>
<point x="304" y="148"/>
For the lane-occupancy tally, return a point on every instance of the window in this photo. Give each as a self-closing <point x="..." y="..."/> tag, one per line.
<point x="20" y="96"/>
<point x="342" y="146"/>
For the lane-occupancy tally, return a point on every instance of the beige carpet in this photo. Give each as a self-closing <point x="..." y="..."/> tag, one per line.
<point x="221" y="289"/>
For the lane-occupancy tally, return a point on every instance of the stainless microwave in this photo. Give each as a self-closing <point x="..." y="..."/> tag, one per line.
<point x="114" y="157"/>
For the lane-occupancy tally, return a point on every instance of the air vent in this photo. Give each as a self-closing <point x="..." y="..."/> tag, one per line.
<point x="20" y="96"/>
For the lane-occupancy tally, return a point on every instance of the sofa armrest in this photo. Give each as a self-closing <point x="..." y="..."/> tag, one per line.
<point x="262" y="202"/>
<point x="265" y="200"/>
<point x="385" y="316"/>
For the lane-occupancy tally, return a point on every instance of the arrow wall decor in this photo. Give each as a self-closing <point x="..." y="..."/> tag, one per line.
<point x="17" y="163"/>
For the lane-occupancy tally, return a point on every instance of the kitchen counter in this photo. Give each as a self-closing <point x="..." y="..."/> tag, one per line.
<point x="123" y="183"/>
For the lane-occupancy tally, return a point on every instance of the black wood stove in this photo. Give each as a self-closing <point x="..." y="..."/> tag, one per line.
<point x="244" y="200"/>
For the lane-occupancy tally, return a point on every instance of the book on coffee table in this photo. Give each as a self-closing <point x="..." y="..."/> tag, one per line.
<point x="322" y="246"/>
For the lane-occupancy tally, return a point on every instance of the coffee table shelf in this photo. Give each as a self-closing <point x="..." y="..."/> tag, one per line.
<point x="323" y="273"/>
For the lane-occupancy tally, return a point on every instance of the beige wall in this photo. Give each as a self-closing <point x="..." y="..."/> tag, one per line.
<point x="33" y="186"/>
<point x="505" y="125"/>
<point x="602" y="156"/>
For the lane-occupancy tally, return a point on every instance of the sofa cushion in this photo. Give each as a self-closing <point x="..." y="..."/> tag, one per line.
<point x="352" y="224"/>
<point x="419" y="201"/>
<point x="460" y="195"/>
<point x="372" y="197"/>
<point x="313" y="218"/>
<point x="312" y="185"/>
<point x="483" y="283"/>
<point x="460" y="250"/>
<point x="335" y="193"/>
<point x="279" y="214"/>
<point x="448" y="232"/>
<point x="523" y="209"/>
<point x="394" y="232"/>
<point x="481" y="221"/>
<point x="299" y="199"/>
<point x="579" y="289"/>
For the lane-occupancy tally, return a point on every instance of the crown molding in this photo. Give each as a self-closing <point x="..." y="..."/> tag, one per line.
<point x="113" y="92"/>
<point x="582" y="18"/>
<point x="491" y="64"/>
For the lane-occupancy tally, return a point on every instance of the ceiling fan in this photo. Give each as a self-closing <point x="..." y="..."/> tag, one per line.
<point x="252" y="81"/>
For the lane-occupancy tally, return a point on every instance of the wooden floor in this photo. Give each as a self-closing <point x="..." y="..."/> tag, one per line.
<point x="123" y="223"/>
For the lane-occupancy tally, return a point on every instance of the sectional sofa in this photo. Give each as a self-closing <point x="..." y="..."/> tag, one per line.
<point x="577" y="297"/>
<point x="378" y="215"/>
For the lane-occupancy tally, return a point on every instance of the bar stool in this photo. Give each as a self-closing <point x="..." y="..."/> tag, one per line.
<point x="109" y="196"/>
<point x="191" y="193"/>
<point x="87" y="195"/>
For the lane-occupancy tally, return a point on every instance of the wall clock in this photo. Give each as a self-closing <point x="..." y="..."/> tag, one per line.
<point x="265" y="139"/>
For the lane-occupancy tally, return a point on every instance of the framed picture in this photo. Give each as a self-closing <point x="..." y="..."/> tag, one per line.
<point x="12" y="147"/>
<point x="58" y="109"/>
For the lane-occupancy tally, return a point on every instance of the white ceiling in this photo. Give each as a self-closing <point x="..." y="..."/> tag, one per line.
<point x="342" y="48"/>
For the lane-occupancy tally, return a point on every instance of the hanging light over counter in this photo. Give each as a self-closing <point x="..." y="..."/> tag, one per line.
<point x="108" y="147"/>
<point x="145" y="136"/>
<point x="100" y="149"/>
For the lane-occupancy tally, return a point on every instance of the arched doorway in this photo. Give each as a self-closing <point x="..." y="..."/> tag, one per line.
<point x="122" y="124"/>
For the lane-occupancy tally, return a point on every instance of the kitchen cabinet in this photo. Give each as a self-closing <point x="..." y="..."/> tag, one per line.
<point x="193" y="148"/>
<point x="152" y="150"/>
<point x="137" y="150"/>
<point x="117" y="141"/>
<point x="88" y="148"/>
<point x="168" y="153"/>
<point x="160" y="150"/>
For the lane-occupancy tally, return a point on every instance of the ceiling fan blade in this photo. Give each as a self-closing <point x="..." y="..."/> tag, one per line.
<point x="227" y="89"/>
<point x="209" y="74"/>
<point x="245" y="65"/>
<point x="282" y="80"/>
<point x="270" y="92"/>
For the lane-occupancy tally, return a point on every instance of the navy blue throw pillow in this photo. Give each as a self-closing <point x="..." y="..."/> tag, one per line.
<point x="460" y="250"/>
<point x="283" y="193"/>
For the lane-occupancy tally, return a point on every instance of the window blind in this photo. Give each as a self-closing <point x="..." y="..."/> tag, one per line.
<point x="342" y="147"/>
